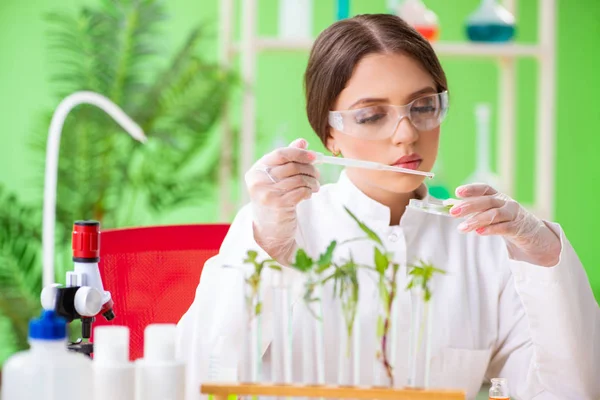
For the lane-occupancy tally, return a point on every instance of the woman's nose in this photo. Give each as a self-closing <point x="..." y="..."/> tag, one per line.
<point x="405" y="132"/>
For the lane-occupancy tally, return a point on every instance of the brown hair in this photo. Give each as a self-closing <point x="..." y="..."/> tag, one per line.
<point x="340" y="47"/>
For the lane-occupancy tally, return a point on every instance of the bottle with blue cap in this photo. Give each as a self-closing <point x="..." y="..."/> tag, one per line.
<point x="48" y="370"/>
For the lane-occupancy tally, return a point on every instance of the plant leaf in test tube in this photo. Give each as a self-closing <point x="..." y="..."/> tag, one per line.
<point x="420" y="285"/>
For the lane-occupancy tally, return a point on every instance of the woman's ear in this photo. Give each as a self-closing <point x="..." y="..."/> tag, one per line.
<point x="331" y="146"/>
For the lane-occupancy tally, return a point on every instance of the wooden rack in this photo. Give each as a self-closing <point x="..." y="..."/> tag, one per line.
<point x="221" y="391"/>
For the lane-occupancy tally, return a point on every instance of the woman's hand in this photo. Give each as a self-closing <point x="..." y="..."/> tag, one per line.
<point x="277" y="183"/>
<point x="489" y="212"/>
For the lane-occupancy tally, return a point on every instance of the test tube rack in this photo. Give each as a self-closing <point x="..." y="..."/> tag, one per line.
<point x="221" y="391"/>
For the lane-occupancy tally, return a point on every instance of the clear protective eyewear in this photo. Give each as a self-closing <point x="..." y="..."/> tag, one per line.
<point x="381" y="121"/>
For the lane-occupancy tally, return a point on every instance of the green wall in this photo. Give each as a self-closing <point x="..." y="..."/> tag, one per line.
<point x="24" y="92"/>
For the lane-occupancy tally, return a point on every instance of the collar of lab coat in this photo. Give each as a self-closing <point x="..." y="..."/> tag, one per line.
<point x="367" y="209"/>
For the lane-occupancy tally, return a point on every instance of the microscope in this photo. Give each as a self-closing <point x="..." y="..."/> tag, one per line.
<point x="83" y="296"/>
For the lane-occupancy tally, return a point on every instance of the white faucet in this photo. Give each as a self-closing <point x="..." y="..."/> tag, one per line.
<point x="52" y="148"/>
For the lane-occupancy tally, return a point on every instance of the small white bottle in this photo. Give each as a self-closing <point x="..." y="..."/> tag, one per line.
<point x="48" y="370"/>
<point x="114" y="374"/>
<point x="499" y="389"/>
<point x="159" y="375"/>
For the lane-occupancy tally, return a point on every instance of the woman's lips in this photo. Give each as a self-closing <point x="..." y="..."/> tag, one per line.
<point x="409" y="165"/>
<point x="409" y="161"/>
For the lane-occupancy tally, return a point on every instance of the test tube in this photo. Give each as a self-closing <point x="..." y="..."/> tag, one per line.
<point x="281" y="350"/>
<point x="349" y="350"/>
<point x="320" y="338"/>
<point x="307" y="345"/>
<point x="356" y="352"/>
<point x="380" y="377"/>
<point x="312" y="337"/>
<point x="420" y="340"/>
<point x="251" y="370"/>
<point x="396" y="317"/>
<point x="380" y="374"/>
<point x="344" y="351"/>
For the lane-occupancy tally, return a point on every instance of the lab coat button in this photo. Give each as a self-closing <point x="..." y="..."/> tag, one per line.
<point x="393" y="237"/>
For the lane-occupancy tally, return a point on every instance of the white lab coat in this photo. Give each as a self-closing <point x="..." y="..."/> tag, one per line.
<point x="493" y="317"/>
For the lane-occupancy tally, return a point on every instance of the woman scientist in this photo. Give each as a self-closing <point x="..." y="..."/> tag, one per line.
<point x="515" y="301"/>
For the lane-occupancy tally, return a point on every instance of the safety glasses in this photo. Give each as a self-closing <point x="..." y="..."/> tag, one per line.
<point x="381" y="121"/>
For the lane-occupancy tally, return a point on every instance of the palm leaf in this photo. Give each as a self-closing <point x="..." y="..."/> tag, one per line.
<point x="20" y="269"/>
<point x="151" y="106"/>
<point x="116" y="43"/>
<point x="114" y="50"/>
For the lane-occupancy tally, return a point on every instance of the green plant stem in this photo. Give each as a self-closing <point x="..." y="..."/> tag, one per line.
<point x="422" y="324"/>
<point x="386" y="328"/>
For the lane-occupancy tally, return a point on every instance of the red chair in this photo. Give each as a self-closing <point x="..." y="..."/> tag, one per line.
<point x="152" y="273"/>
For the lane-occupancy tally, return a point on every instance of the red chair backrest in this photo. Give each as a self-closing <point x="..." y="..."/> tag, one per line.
<point x="152" y="273"/>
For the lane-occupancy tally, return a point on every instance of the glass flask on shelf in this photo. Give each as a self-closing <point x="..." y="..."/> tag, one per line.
<point x="490" y="22"/>
<point x="416" y="14"/>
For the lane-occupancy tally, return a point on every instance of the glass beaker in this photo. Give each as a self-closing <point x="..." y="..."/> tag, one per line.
<point x="499" y="389"/>
<point x="490" y="22"/>
<point x="419" y="352"/>
<point x="281" y="347"/>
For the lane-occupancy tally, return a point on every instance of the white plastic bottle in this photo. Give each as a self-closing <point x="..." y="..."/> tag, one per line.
<point x="159" y="375"/>
<point x="114" y="374"/>
<point x="47" y="370"/>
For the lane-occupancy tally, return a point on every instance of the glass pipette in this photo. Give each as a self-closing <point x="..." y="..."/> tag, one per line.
<point x="349" y="162"/>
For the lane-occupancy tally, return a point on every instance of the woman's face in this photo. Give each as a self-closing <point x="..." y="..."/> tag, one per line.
<point x="387" y="79"/>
